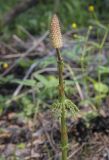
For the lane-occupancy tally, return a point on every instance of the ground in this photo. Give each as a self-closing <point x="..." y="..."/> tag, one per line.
<point x="37" y="136"/>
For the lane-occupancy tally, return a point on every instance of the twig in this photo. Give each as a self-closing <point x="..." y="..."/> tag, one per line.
<point x="20" y="41"/>
<point x="77" y="150"/>
<point x="26" y="76"/>
<point x="27" y="33"/>
<point x="46" y="70"/>
<point x="76" y="82"/>
<point x="16" y="92"/>
<point x="48" y="137"/>
<point x="26" y="53"/>
<point x="12" y="56"/>
<point x="9" y="47"/>
<point x="15" y="98"/>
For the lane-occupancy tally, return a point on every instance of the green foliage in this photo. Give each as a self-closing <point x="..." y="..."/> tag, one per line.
<point x="69" y="11"/>
<point x="67" y="104"/>
<point x="21" y="145"/>
<point x="101" y="88"/>
<point x="27" y="82"/>
<point x="3" y="99"/>
<point x="25" y="63"/>
<point x="85" y="58"/>
<point x="45" y="85"/>
<point x="28" y="106"/>
<point x="103" y="69"/>
<point x="4" y="80"/>
<point x="1" y="158"/>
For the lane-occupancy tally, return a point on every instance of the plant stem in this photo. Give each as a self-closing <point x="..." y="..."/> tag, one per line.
<point x="100" y="52"/>
<point x="100" y="61"/>
<point x="64" y="136"/>
<point x="83" y="65"/>
<point x="60" y="72"/>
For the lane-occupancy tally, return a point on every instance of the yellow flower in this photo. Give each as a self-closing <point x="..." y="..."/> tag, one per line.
<point x="75" y="36"/>
<point x="74" y="25"/>
<point x="5" y="65"/>
<point x="91" y="8"/>
<point x="90" y="27"/>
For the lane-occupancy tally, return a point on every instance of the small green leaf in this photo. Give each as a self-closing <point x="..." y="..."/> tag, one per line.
<point x="103" y="69"/>
<point x="6" y="79"/>
<point x="21" y="145"/>
<point x="41" y="78"/>
<point x="100" y="87"/>
<point x="27" y="82"/>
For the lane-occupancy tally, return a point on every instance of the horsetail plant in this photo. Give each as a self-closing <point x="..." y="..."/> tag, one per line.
<point x="62" y="104"/>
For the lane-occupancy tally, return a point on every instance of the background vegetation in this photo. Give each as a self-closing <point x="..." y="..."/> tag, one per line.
<point x="25" y="46"/>
<point x="37" y="18"/>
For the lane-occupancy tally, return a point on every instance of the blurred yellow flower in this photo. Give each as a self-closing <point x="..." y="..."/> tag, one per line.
<point x="90" y="27"/>
<point x="5" y="65"/>
<point x="74" y="25"/>
<point x="91" y="8"/>
<point x="75" y="36"/>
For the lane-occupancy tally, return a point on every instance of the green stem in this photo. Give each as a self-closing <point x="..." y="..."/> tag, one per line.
<point x="83" y="65"/>
<point x="100" y="61"/>
<point x="64" y="136"/>
<point x="100" y="52"/>
<point x="60" y="72"/>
